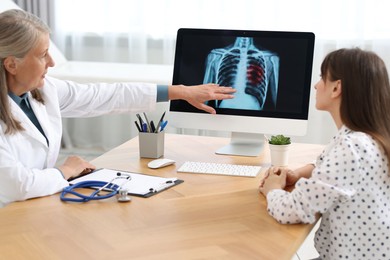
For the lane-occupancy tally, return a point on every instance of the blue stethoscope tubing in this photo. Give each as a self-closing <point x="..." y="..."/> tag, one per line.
<point x="94" y="195"/>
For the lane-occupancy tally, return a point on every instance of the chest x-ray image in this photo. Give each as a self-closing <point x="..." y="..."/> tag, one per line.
<point x="253" y="72"/>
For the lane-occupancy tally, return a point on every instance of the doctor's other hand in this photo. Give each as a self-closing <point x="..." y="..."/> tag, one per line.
<point x="197" y="95"/>
<point x="274" y="178"/>
<point x="75" y="166"/>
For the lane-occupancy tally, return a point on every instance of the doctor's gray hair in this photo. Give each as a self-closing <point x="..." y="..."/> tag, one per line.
<point x="19" y="33"/>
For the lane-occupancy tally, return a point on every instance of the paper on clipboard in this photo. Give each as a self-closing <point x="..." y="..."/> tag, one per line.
<point x="140" y="184"/>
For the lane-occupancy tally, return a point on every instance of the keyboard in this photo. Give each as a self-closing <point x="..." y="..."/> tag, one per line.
<point x="220" y="169"/>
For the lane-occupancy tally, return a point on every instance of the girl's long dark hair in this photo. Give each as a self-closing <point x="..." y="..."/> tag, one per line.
<point x="365" y="98"/>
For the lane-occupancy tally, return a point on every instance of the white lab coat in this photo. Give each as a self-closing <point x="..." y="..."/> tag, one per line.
<point x="26" y="161"/>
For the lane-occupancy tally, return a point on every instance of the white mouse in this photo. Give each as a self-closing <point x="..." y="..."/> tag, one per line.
<point x="159" y="163"/>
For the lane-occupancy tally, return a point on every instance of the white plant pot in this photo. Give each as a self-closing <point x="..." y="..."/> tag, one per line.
<point x="279" y="154"/>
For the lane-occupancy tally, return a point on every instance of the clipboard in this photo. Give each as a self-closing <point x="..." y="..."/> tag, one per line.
<point x="140" y="185"/>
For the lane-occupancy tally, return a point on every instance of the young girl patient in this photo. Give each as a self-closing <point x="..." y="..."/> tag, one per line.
<point x="349" y="184"/>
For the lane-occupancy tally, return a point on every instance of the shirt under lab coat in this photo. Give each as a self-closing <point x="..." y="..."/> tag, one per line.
<point x="27" y="162"/>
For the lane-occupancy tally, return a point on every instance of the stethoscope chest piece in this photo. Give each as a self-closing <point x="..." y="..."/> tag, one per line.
<point x="122" y="196"/>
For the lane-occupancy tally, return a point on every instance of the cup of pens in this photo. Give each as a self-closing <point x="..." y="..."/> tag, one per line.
<point x="151" y="136"/>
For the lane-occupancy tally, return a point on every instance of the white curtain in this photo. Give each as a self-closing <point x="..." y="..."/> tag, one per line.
<point x="44" y="9"/>
<point x="144" y="31"/>
<point x="137" y="30"/>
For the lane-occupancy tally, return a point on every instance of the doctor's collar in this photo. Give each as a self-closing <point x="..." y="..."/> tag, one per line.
<point x="18" y="99"/>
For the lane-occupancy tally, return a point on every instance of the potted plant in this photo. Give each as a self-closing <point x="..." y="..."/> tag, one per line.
<point x="279" y="147"/>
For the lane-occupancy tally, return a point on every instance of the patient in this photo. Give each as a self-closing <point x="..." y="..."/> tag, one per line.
<point x="32" y="104"/>
<point x="349" y="183"/>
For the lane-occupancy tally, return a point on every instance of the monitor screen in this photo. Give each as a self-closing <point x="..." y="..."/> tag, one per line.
<point x="270" y="70"/>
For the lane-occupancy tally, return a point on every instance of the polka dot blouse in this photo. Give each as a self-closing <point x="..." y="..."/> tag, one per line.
<point x="350" y="186"/>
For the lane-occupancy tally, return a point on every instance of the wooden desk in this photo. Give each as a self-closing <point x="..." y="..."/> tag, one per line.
<point x="206" y="217"/>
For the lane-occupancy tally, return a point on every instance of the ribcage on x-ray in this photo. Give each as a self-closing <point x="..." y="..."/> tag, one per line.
<point x="252" y="68"/>
<point x="229" y="67"/>
<point x="252" y="72"/>
<point x="255" y="70"/>
<point x="256" y="78"/>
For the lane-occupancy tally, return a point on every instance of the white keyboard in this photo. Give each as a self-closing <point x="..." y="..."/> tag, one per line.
<point x="220" y="169"/>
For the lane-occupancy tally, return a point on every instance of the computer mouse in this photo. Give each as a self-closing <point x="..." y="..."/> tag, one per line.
<point x="159" y="163"/>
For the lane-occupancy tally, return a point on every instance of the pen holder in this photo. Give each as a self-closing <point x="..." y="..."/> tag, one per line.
<point x="151" y="145"/>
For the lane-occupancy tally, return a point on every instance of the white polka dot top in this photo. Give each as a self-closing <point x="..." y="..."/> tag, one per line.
<point x="350" y="186"/>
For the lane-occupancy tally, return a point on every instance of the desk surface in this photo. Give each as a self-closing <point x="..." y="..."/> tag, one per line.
<point x="206" y="217"/>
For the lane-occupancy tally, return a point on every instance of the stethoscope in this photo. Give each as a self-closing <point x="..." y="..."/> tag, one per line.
<point x="95" y="195"/>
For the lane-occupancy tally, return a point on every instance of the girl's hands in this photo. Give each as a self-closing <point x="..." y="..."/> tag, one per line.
<point x="274" y="178"/>
<point x="279" y="178"/>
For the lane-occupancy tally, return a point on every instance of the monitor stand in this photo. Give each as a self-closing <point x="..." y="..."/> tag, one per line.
<point x="243" y="144"/>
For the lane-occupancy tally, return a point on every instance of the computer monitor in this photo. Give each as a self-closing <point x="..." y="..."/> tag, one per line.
<point x="271" y="71"/>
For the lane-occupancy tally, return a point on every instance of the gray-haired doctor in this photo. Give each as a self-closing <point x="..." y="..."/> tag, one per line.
<point x="32" y="104"/>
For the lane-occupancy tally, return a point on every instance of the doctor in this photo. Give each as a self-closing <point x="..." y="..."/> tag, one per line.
<point x="32" y="104"/>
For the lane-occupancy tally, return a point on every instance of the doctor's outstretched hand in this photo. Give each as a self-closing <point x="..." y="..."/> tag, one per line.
<point x="75" y="166"/>
<point x="197" y="95"/>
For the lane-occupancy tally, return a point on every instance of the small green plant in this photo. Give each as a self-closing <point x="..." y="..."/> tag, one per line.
<point x="279" y="140"/>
